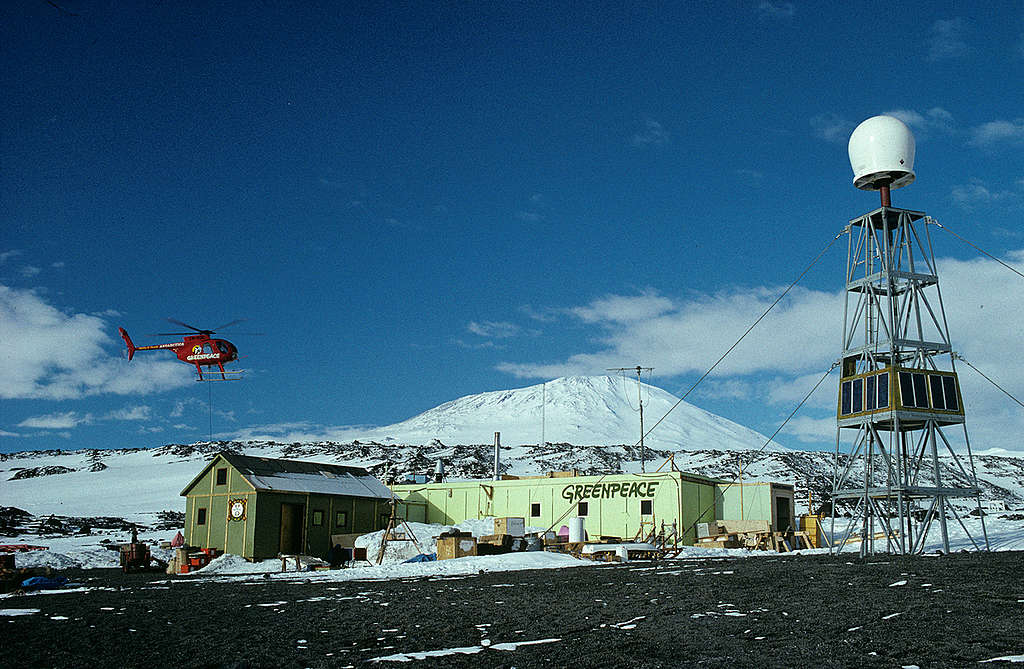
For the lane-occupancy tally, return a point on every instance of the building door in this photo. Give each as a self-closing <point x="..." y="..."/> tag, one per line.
<point x="291" y="528"/>
<point x="783" y="518"/>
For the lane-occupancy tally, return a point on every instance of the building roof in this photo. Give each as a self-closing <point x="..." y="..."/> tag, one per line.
<point x="274" y="475"/>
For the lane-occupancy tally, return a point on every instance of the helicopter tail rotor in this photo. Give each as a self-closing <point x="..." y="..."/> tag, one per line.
<point x="128" y="342"/>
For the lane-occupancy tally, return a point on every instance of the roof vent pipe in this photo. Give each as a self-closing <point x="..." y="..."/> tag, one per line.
<point x="497" y="456"/>
<point x="439" y="471"/>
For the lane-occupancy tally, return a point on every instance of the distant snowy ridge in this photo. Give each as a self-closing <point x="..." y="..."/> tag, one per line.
<point x="590" y="425"/>
<point x="139" y="484"/>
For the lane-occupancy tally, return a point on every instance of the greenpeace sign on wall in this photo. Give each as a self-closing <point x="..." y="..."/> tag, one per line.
<point x="609" y="490"/>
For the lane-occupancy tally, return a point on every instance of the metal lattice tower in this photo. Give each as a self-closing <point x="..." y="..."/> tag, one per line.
<point x="902" y="449"/>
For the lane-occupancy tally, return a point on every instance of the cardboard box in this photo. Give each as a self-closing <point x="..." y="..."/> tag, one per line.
<point x="709" y="529"/>
<point x="345" y="540"/>
<point x="740" y="526"/>
<point x="455" y="547"/>
<point x="515" y="527"/>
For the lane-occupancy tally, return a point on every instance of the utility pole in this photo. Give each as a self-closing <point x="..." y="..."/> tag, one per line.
<point x="543" y="405"/>
<point x="639" y="396"/>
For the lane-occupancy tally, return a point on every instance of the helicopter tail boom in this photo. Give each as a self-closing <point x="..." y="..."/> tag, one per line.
<point x="128" y="342"/>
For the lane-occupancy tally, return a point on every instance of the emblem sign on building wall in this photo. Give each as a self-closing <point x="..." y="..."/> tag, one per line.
<point x="236" y="509"/>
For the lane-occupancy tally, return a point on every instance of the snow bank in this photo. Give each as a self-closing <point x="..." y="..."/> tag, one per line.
<point x="425" y="538"/>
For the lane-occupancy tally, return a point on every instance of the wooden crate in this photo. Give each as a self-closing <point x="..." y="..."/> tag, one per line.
<point x="455" y="547"/>
<point x="513" y="526"/>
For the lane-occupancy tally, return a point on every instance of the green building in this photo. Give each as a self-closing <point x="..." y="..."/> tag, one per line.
<point x="260" y="508"/>
<point x="613" y="505"/>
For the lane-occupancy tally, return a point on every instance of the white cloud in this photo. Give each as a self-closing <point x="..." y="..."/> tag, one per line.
<point x="946" y="39"/>
<point x="623" y="309"/>
<point x="999" y="132"/>
<point x="729" y="389"/>
<point x="935" y="118"/>
<point x="793" y="347"/>
<point x="130" y="413"/>
<point x="777" y="9"/>
<point x="977" y="192"/>
<point x="810" y="430"/>
<point x="652" y="134"/>
<point x="686" y="337"/>
<point x="493" y="329"/>
<point x="181" y="405"/>
<point x="832" y="128"/>
<point x="285" y="432"/>
<point x="49" y="354"/>
<point x="57" y="421"/>
<point x="790" y="391"/>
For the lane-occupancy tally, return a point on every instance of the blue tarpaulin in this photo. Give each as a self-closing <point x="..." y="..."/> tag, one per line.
<point x="422" y="557"/>
<point x="44" y="583"/>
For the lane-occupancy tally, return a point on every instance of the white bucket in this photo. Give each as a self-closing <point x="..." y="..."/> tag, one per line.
<point x="576" y="531"/>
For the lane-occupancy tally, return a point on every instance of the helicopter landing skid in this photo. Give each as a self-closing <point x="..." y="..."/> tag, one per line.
<point x="227" y="375"/>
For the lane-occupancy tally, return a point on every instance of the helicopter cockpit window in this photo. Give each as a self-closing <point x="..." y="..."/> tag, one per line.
<point x="222" y="347"/>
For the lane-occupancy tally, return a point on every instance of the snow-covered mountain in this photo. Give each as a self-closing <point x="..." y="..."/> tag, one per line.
<point x="576" y="409"/>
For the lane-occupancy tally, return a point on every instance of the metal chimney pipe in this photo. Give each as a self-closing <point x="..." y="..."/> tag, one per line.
<point x="439" y="471"/>
<point x="497" y="456"/>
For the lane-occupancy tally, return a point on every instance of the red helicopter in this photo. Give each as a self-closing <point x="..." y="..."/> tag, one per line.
<point x="198" y="349"/>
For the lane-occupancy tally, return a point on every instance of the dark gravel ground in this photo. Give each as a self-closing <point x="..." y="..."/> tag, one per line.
<point x="952" y="611"/>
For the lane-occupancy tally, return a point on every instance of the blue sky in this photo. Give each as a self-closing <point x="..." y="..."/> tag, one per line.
<point x="418" y="202"/>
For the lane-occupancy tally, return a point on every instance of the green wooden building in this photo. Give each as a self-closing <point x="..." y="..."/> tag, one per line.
<point x="260" y="508"/>
<point x="619" y="505"/>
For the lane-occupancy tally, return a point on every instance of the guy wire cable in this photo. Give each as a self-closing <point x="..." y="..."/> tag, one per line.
<point x="743" y="336"/>
<point x="1004" y="391"/>
<point x="929" y="219"/>
<point x="754" y="455"/>
<point x="718" y="362"/>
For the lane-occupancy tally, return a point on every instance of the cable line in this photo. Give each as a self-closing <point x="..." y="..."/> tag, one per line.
<point x="929" y="219"/>
<point x="770" y="439"/>
<point x="1004" y="391"/>
<point x="572" y="505"/>
<point x="743" y="336"/>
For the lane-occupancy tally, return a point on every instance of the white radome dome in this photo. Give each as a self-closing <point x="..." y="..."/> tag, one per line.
<point x="882" y="153"/>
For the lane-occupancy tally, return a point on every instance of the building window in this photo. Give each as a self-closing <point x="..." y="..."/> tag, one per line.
<point x="340" y="518"/>
<point x="646" y="507"/>
<point x="200" y="516"/>
<point x="222" y="476"/>
<point x="913" y="390"/>
<point x="582" y="508"/>
<point x="858" y="395"/>
<point x="535" y="510"/>
<point x="883" y="390"/>
<point x="949" y="384"/>
<point x="318" y="518"/>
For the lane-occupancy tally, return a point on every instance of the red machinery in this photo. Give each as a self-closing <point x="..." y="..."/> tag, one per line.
<point x="135" y="556"/>
<point x="199" y="349"/>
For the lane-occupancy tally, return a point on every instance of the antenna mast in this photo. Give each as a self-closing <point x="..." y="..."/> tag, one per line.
<point x="899" y="403"/>
<point x="640" y="400"/>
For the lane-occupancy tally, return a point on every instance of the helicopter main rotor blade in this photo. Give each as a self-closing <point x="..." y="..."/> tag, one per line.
<point x="227" y="325"/>
<point x="190" y="327"/>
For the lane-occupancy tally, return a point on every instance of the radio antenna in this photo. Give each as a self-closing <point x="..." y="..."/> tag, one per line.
<point x="640" y="400"/>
